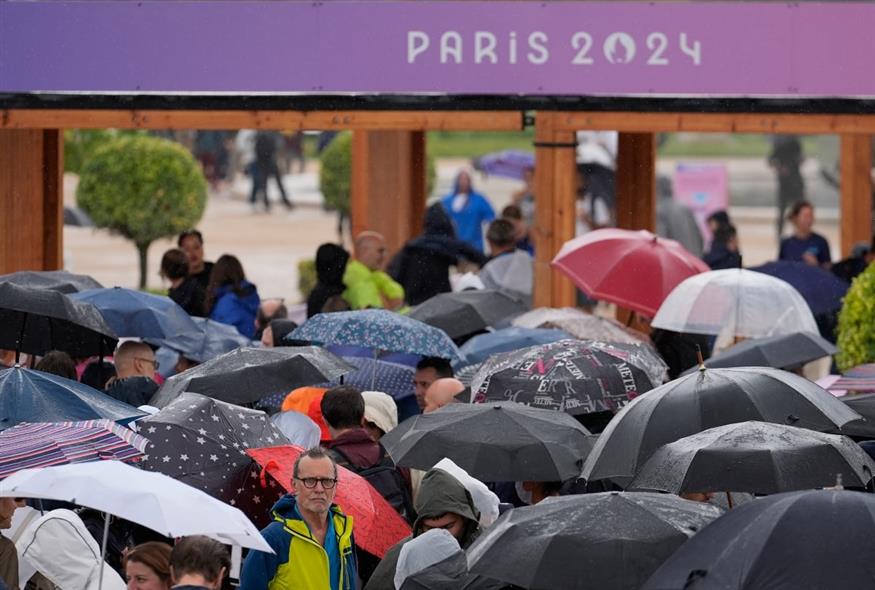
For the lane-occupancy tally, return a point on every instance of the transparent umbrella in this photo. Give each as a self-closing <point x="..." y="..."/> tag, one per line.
<point x="735" y="303"/>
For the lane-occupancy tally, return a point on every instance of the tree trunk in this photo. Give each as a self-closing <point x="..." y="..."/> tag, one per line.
<point x="143" y="251"/>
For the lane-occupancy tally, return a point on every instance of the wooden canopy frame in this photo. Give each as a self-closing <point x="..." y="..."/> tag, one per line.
<point x="388" y="184"/>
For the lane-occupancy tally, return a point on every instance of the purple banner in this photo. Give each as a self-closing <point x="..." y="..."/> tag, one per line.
<point x="535" y="48"/>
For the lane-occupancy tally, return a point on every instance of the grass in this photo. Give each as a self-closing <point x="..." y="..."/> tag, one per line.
<point x="445" y="144"/>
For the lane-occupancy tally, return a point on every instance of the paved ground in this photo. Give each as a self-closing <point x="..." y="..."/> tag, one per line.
<point x="270" y="245"/>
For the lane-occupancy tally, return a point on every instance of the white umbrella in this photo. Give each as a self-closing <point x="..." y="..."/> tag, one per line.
<point x="735" y="303"/>
<point x="150" y="499"/>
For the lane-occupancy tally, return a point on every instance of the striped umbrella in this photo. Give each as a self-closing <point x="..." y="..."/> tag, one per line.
<point x="42" y="444"/>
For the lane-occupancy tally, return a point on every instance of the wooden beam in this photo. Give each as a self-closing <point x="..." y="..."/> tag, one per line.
<point x="856" y="191"/>
<point x="636" y="181"/>
<point x="555" y="209"/>
<point x="769" y="123"/>
<point x="31" y="202"/>
<point x="285" y="120"/>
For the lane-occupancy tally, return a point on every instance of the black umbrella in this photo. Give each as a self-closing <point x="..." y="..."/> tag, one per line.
<point x="460" y="314"/>
<point x="202" y="442"/>
<point x="246" y="375"/>
<point x="708" y="398"/>
<point x="575" y="376"/>
<point x="36" y="321"/>
<point x="493" y="442"/>
<point x="56" y="280"/>
<point x="755" y="457"/>
<point x="606" y="541"/>
<point x="785" y="351"/>
<point x="819" y="539"/>
<point x="865" y="406"/>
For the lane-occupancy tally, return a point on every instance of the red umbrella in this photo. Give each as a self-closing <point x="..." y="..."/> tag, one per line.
<point x="634" y="269"/>
<point x="376" y="525"/>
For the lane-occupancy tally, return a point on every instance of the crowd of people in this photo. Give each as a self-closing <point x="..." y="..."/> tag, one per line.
<point x="464" y="245"/>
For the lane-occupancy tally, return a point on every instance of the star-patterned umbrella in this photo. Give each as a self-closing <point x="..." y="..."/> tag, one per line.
<point x="202" y="442"/>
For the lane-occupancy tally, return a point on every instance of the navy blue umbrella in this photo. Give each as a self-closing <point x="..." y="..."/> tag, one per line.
<point x="155" y="319"/>
<point x="822" y="290"/>
<point x="479" y="348"/>
<point x="34" y="396"/>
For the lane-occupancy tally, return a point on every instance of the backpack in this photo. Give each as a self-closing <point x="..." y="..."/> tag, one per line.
<point x="385" y="478"/>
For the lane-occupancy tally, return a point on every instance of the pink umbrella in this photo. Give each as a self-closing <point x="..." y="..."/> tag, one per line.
<point x="634" y="269"/>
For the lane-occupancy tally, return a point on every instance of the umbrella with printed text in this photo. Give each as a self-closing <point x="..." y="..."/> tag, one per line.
<point x="377" y="525"/>
<point x="574" y="376"/>
<point x="612" y="265"/>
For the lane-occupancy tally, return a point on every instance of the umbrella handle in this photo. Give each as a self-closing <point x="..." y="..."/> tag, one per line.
<point x="263" y="476"/>
<point x="20" y="339"/>
<point x="103" y="549"/>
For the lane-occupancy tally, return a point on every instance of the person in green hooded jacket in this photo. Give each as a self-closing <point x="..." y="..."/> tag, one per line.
<point x="442" y="503"/>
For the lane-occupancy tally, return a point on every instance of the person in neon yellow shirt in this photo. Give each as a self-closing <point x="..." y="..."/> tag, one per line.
<point x="367" y="285"/>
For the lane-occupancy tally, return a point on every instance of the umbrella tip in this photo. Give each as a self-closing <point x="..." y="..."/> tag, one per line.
<point x="839" y="486"/>
<point x="699" y="358"/>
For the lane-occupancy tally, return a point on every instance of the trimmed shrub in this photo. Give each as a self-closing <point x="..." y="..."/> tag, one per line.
<point x="143" y="188"/>
<point x="856" y="330"/>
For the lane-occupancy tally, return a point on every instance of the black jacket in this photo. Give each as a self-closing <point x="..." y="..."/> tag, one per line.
<point x="422" y="266"/>
<point x="134" y="391"/>
<point x="331" y="262"/>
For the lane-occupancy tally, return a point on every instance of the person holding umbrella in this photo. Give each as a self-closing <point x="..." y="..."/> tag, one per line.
<point x="308" y="533"/>
<point x="443" y="503"/>
<point x="147" y="566"/>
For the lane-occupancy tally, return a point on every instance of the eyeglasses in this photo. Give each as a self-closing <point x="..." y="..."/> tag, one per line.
<point x="310" y="482"/>
<point x="155" y="363"/>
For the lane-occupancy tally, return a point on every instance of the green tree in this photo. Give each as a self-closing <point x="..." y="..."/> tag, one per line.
<point x="143" y="188"/>
<point x="856" y="330"/>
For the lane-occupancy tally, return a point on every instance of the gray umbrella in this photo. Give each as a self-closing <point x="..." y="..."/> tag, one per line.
<point x="56" y="280"/>
<point x="493" y="442"/>
<point x="612" y="540"/>
<point x="460" y="314"/>
<point x="756" y="457"/>
<point x="816" y="540"/>
<point x="246" y="375"/>
<point x="708" y="398"/>
<point x="36" y="321"/>
<point x="785" y="351"/>
<point x="865" y="406"/>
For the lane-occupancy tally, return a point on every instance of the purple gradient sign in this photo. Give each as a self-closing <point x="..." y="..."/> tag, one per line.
<point x="535" y="48"/>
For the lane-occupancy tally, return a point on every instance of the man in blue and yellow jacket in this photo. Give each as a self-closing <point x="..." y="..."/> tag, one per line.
<point x="312" y="538"/>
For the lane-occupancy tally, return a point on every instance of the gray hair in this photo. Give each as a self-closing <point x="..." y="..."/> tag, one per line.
<point x="314" y="453"/>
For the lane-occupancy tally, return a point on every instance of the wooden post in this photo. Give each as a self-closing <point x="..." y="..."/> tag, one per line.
<point x="31" y="199"/>
<point x="856" y="191"/>
<point x="636" y="181"/>
<point x="555" y="208"/>
<point x="636" y="191"/>
<point x="388" y="184"/>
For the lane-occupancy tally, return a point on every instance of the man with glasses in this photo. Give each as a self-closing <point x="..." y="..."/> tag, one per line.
<point x="311" y="537"/>
<point x="135" y="367"/>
